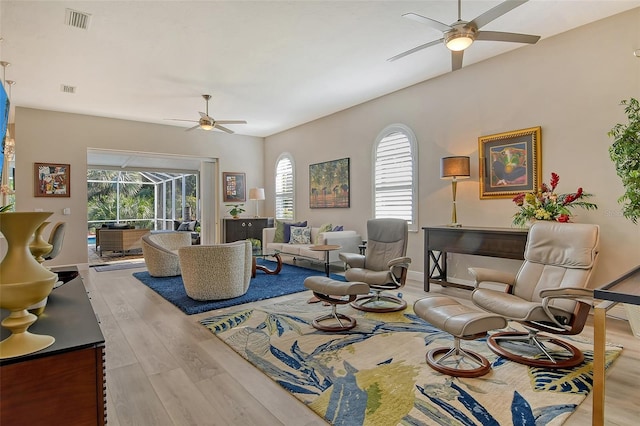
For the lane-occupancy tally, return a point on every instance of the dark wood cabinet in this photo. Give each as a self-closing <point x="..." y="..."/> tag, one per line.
<point x="241" y="228"/>
<point x="507" y="243"/>
<point x="63" y="384"/>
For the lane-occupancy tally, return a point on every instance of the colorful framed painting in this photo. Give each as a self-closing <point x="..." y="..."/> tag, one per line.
<point x="233" y="187"/>
<point x="510" y="163"/>
<point x="329" y="184"/>
<point x="52" y="180"/>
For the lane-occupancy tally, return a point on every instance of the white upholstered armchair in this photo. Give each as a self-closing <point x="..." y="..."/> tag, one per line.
<point x="214" y="272"/>
<point x="160" y="252"/>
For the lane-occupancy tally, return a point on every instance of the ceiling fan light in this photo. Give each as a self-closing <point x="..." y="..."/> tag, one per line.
<point x="458" y="42"/>
<point x="206" y="126"/>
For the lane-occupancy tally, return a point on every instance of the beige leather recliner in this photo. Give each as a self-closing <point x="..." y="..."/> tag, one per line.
<point x="383" y="267"/>
<point x="160" y="251"/>
<point x="214" y="272"/>
<point x="547" y="294"/>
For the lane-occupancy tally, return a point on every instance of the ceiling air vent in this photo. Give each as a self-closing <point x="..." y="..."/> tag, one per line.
<point x="76" y="19"/>
<point x="67" y="89"/>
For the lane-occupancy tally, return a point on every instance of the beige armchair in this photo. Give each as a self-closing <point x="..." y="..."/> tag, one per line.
<point x="214" y="272"/>
<point x="160" y="252"/>
<point x="547" y="294"/>
<point x="384" y="267"/>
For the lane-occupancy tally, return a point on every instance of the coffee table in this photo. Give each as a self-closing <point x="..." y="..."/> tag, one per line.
<point x="326" y="248"/>
<point x="264" y="253"/>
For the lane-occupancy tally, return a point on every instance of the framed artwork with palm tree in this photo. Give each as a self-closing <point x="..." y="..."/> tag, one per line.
<point x="329" y="184"/>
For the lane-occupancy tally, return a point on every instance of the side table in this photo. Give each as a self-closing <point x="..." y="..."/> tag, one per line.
<point x="625" y="289"/>
<point x="326" y="248"/>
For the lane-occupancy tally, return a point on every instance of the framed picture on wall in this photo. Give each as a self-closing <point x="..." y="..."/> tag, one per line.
<point x="329" y="184"/>
<point x="233" y="187"/>
<point x="510" y="163"/>
<point x="52" y="180"/>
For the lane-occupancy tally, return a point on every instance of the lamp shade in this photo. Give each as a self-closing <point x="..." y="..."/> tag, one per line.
<point x="256" y="194"/>
<point x="455" y="167"/>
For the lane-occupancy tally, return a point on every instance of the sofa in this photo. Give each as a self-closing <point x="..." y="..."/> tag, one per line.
<point x="349" y="241"/>
<point x="188" y="226"/>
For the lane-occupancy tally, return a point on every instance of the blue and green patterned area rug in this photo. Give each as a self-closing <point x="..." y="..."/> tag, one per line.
<point x="376" y="374"/>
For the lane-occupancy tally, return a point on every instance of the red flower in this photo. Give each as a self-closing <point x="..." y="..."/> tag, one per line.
<point x="563" y="218"/>
<point x="554" y="181"/>
<point x="545" y="188"/>
<point x="579" y="193"/>
<point x="519" y="199"/>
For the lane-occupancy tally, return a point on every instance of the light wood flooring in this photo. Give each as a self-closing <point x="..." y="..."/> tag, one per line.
<point x="164" y="368"/>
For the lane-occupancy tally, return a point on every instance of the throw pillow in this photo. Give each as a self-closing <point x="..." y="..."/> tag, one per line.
<point x="338" y="228"/>
<point x="184" y="226"/>
<point x="327" y="227"/>
<point x="278" y="237"/>
<point x="287" y="229"/>
<point x="192" y="225"/>
<point x="300" y="235"/>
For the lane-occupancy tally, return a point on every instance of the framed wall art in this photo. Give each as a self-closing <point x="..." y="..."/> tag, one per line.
<point x="329" y="184"/>
<point x="510" y="163"/>
<point x="233" y="187"/>
<point x="52" y="180"/>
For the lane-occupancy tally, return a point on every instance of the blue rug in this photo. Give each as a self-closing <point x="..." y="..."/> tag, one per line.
<point x="289" y="280"/>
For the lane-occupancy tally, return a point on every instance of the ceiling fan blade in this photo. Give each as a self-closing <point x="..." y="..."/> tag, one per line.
<point x="205" y="116"/>
<point x="224" y="129"/>
<point x="193" y="128"/>
<point x="179" y="119"/>
<point x="456" y="60"/>
<point x="415" y="49"/>
<point x="231" y="122"/>
<point x="512" y="37"/>
<point x="497" y="12"/>
<point x="428" y="21"/>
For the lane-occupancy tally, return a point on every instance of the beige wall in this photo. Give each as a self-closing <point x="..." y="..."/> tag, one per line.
<point x="570" y="85"/>
<point x="47" y="136"/>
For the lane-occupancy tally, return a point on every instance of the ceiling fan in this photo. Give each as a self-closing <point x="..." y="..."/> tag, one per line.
<point x="461" y="34"/>
<point x="207" y="122"/>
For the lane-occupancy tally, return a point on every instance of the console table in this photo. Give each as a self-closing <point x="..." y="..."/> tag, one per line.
<point x="63" y="384"/>
<point x="508" y="243"/>
<point x="625" y="289"/>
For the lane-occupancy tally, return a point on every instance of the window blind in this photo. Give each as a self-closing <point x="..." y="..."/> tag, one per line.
<point x="284" y="189"/>
<point x="394" y="171"/>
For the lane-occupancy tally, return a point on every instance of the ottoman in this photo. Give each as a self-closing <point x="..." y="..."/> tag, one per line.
<point x="335" y="293"/>
<point x="462" y="322"/>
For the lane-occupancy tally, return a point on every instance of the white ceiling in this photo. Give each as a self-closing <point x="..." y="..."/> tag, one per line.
<point x="276" y="64"/>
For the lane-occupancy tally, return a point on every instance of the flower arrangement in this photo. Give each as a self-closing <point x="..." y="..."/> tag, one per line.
<point x="547" y="205"/>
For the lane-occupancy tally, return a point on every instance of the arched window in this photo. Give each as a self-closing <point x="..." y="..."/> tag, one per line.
<point x="395" y="186"/>
<point x="284" y="187"/>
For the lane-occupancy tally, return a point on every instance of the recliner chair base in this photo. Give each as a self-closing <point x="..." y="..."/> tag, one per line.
<point x="387" y="303"/>
<point x="535" y="341"/>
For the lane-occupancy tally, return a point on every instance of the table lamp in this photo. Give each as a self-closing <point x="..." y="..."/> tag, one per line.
<point x="454" y="168"/>
<point x="256" y="194"/>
